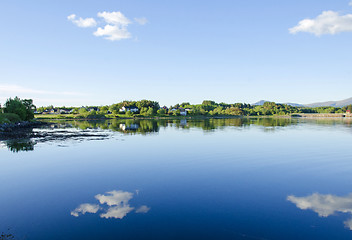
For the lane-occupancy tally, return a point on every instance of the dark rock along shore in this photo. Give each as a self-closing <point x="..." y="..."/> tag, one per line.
<point x="13" y="129"/>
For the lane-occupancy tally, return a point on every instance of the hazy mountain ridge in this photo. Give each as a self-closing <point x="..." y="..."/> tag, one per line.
<point x="261" y="102"/>
<point x="341" y="103"/>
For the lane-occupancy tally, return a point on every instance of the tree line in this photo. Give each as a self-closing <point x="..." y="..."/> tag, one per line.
<point x="17" y="109"/>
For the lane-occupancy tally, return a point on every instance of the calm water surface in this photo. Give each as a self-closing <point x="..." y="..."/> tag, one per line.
<point x="208" y="179"/>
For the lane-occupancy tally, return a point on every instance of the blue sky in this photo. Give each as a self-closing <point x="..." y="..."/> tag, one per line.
<point x="175" y="51"/>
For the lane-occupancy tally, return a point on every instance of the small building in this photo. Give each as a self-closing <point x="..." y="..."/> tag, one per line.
<point x="91" y="109"/>
<point x="53" y="111"/>
<point x="183" y="111"/>
<point x="65" y="111"/>
<point x="131" y="109"/>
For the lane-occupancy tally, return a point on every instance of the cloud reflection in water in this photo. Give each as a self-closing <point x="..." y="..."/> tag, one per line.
<point x="117" y="202"/>
<point x="325" y="205"/>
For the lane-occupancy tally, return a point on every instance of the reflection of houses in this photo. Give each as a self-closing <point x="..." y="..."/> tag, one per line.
<point x="131" y="109"/>
<point x="131" y="127"/>
<point x="183" y="122"/>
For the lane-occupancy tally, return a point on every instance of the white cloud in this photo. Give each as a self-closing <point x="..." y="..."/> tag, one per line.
<point x="16" y="89"/>
<point x="113" y="25"/>
<point x="118" y="202"/>
<point x="82" y="22"/>
<point x="115" y="18"/>
<point x="85" y="208"/>
<point x="348" y="224"/>
<point x="141" y="21"/>
<point x="328" y="22"/>
<point x="112" y="32"/>
<point x="325" y="205"/>
<point x="143" y="209"/>
<point x="350" y="3"/>
<point x="114" y="198"/>
<point x="117" y="212"/>
<point x="116" y="27"/>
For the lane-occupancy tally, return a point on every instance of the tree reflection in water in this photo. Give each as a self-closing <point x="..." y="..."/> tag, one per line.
<point x="18" y="145"/>
<point x="62" y="130"/>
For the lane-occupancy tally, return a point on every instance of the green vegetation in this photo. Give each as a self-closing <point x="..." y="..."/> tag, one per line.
<point x="16" y="110"/>
<point x="208" y="108"/>
<point x="9" y="118"/>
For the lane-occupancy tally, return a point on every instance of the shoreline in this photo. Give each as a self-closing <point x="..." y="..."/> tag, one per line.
<point x="200" y="117"/>
<point x="7" y="128"/>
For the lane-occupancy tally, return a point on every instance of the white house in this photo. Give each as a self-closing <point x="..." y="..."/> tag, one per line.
<point x="64" y="111"/>
<point x="183" y="112"/>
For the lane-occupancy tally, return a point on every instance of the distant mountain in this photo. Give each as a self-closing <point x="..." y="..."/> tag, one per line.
<point x="261" y="102"/>
<point x="341" y="103"/>
<point x="294" y="104"/>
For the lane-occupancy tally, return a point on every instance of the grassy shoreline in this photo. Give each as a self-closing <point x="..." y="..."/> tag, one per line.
<point x="107" y="117"/>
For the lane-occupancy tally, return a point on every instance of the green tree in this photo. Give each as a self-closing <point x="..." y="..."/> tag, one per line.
<point x="349" y="107"/>
<point x="161" y="111"/>
<point x="23" y="108"/>
<point x="83" y="111"/>
<point x="129" y="113"/>
<point x="150" y="111"/>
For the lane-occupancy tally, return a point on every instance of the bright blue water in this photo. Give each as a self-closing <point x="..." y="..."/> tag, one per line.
<point x="213" y="179"/>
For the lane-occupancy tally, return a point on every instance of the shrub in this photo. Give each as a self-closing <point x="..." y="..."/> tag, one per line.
<point x="23" y="108"/>
<point x="9" y="118"/>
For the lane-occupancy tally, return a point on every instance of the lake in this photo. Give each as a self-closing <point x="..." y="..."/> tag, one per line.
<point x="179" y="179"/>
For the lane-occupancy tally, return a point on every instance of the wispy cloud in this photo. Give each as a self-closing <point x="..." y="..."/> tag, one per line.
<point x="143" y="209"/>
<point x="113" y="25"/>
<point x="16" y="89"/>
<point x="141" y="21"/>
<point x="82" y="22"/>
<point x="328" y="22"/>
